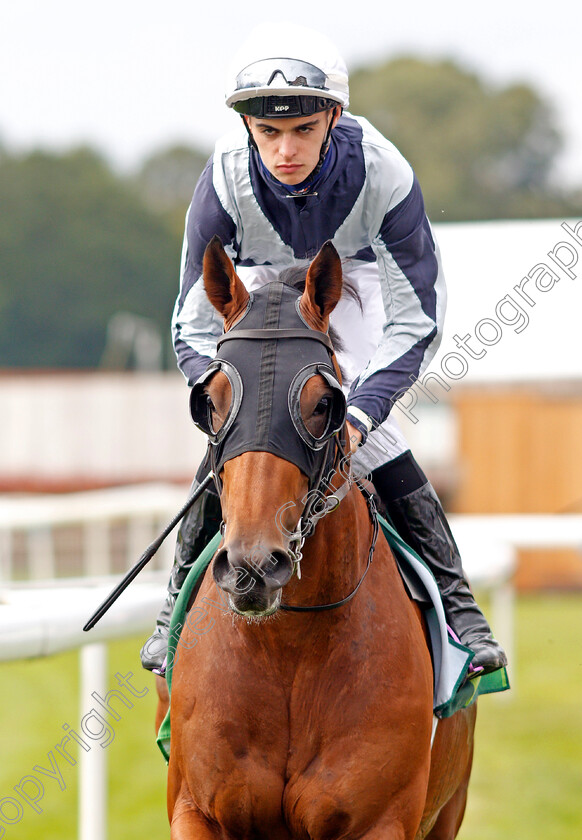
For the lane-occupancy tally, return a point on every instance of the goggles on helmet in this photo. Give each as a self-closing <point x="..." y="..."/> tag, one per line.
<point x="281" y="72"/>
<point x="284" y="87"/>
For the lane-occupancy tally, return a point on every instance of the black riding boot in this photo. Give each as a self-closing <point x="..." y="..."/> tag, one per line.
<point x="417" y="515"/>
<point x="196" y="530"/>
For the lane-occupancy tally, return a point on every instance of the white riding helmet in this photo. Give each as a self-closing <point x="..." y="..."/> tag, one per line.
<point x="286" y="70"/>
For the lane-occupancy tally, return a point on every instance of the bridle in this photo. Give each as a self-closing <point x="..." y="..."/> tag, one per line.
<point x="267" y="372"/>
<point x="306" y="527"/>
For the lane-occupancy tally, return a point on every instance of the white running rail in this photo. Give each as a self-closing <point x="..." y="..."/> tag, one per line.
<point x="43" y="617"/>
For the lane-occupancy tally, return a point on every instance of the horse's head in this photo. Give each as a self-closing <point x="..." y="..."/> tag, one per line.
<point x="271" y="403"/>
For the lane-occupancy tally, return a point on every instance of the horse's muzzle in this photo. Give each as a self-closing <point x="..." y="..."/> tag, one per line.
<point x="253" y="579"/>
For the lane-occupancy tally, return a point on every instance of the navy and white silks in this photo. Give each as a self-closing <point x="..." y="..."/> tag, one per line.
<point x="369" y="203"/>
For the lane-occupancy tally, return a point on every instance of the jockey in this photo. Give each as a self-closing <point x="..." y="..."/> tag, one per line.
<point x="300" y="171"/>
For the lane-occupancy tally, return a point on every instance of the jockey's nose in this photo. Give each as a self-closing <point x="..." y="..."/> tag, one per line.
<point x="287" y="146"/>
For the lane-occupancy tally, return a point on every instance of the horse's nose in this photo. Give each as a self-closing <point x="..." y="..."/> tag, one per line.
<point x="257" y="571"/>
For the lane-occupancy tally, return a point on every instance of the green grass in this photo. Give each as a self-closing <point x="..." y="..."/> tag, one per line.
<point x="37" y="698"/>
<point x="527" y="779"/>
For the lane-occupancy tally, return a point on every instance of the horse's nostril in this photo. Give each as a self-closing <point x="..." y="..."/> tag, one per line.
<point x="281" y="567"/>
<point x="238" y="571"/>
<point x="221" y="566"/>
<point x="231" y="575"/>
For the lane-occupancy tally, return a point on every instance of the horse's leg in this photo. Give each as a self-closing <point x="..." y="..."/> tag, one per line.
<point x="402" y="819"/>
<point x="163" y="701"/>
<point x="186" y="820"/>
<point x="394" y="831"/>
<point x="189" y="824"/>
<point x="451" y="771"/>
<point x="449" y="820"/>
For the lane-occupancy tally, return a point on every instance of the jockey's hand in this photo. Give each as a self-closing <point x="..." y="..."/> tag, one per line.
<point x="354" y="435"/>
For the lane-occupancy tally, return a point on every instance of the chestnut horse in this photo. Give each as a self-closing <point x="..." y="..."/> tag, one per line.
<point x="316" y="723"/>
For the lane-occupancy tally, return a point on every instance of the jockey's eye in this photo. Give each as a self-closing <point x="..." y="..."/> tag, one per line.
<point x="268" y="131"/>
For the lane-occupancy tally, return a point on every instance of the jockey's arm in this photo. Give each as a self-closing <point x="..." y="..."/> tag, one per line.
<point x="354" y="435"/>
<point x="414" y="297"/>
<point x="196" y="325"/>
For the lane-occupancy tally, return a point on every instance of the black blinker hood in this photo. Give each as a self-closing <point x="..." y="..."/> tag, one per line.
<point x="268" y="357"/>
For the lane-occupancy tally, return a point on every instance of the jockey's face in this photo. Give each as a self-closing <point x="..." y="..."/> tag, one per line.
<point x="290" y="146"/>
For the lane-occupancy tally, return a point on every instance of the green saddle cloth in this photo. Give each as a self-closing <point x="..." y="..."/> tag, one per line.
<point x="452" y="690"/>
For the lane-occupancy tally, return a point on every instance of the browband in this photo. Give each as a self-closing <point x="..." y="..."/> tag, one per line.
<point x="275" y="334"/>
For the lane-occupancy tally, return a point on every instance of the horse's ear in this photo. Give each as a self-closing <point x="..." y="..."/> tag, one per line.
<point x="323" y="286"/>
<point x="224" y="288"/>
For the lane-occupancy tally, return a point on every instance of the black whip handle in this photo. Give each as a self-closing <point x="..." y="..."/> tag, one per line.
<point x="146" y="556"/>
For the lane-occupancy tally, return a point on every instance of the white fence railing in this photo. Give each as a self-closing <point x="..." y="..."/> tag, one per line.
<point x="78" y="534"/>
<point x="39" y="619"/>
<point x="41" y="614"/>
<point x="42" y="620"/>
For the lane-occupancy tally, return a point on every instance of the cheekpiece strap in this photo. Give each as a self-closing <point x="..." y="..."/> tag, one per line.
<point x="323" y="506"/>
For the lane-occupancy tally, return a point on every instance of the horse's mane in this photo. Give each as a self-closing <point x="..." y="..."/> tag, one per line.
<point x="295" y="277"/>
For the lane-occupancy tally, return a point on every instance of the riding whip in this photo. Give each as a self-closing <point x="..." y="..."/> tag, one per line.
<point x="147" y="555"/>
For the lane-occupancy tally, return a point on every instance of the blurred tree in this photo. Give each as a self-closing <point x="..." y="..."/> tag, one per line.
<point x="479" y="153"/>
<point x="76" y="245"/>
<point x="79" y="244"/>
<point x="166" y="182"/>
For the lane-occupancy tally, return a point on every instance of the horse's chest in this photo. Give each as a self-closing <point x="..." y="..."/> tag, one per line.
<point x="311" y="743"/>
<point x="307" y="756"/>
